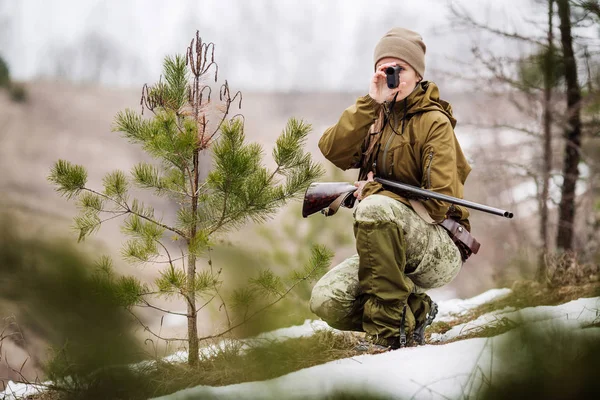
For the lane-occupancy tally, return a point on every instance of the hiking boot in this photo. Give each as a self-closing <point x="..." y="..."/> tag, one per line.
<point x="365" y="346"/>
<point x="419" y="332"/>
<point x="374" y="344"/>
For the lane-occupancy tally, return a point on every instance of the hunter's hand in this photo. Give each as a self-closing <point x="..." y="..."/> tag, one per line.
<point x="378" y="89"/>
<point x="361" y="184"/>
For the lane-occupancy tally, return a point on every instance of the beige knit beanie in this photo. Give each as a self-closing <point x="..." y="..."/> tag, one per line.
<point x="404" y="44"/>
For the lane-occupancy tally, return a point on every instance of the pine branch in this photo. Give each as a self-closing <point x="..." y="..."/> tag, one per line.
<point x="207" y="303"/>
<point x="319" y="260"/>
<point x="174" y="230"/>
<point x="89" y="223"/>
<point x="210" y="264"/>
<point x="129" y="209"/>
<point x="166" y="251"/>
<point x="147" y="328"/>
<point x="148" y="305"/>
<point x="177" y="78"/>
<point x="69" y="178"/>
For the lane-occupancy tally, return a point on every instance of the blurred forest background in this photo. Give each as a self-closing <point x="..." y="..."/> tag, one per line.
<point x="528" y="119"/>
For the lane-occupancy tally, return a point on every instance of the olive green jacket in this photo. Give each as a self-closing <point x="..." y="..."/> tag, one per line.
<point x="417" y="146"/>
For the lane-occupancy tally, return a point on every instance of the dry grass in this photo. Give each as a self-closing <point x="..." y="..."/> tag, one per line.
<point x="524" y="294"/>
<point x="235" y="364"/>
<point x="266" y="361"/>
<point x="272" y="359"/>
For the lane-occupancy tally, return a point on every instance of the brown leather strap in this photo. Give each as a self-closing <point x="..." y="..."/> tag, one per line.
<point x="466" y="243"/>
<point x="421" y="211"/>
<point x="335" y="205"/>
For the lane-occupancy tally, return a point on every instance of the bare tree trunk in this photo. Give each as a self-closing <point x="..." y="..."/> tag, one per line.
<point x="193" y="350"/>
<point x="548" y="84"/>
<point x="572" y="134"/>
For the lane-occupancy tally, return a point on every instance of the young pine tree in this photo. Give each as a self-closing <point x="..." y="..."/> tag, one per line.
<point x="238" y="188"/>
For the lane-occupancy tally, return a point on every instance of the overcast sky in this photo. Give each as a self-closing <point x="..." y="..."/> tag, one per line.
<point x="261" y="44"/>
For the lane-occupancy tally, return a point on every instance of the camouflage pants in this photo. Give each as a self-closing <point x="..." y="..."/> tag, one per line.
<point x="365" y="295"/>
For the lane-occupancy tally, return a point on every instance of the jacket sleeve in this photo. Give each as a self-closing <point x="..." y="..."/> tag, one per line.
<point x="341" y="143"/>
<point x="440" y="171"/>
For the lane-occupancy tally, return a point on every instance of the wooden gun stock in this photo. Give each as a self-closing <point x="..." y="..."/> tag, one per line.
<point x="327" y="197"/>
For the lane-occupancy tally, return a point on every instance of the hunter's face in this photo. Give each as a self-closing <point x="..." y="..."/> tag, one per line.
<point x="408" y="75"/>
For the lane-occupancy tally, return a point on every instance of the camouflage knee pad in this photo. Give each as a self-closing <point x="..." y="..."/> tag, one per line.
<point x="432" y="259"/>
<point x="335" y="296"/>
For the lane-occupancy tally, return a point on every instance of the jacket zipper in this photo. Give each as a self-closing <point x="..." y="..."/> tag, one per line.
<point x="385" y="151"/>
<point x="429" y="169"/>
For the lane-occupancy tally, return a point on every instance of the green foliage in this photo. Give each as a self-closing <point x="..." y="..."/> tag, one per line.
<point x="316" y="266"/>
<point x="115" y="185"/>
<point x="243" y="298"/>
<point x="266" y="289"/>
<point x="177" y="82"/>
<point x="147" y="177"/>
<point x="288" y="148"/>
<point x="133" y="126"/>
<point x="74" y="311"/>
<point x="139" y="250"/>
<point x="17" y="91"/>
<point x="171" y="281"/>
<point x="199" y="243"/>
<point x="238" y="189"/>
<point x="70" y="179"/>
<point x="242" y="189"/>
<point x="142" y="229"/>
<point x="139" y="208"/>
<point x="86" y="224"/>
<point x="267" y="283"/>
<point x="104" y="265"/>
<point x="4" y="74"/>
<point x="90" y="202"/>
<point x="205" y="281"/>
<point x="533" y="69"/>
<point x="128" y="291"/>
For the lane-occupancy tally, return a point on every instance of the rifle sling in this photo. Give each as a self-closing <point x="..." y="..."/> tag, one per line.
<point x="335" y="205"/>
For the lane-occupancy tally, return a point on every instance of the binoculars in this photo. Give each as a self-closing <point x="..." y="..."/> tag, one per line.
<point x="393" y="76"/>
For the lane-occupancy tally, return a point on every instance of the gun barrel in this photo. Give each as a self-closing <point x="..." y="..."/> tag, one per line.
<point x="438" y="196"/>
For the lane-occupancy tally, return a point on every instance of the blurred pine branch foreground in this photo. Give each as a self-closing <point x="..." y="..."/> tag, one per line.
<point x="186" y="125"/>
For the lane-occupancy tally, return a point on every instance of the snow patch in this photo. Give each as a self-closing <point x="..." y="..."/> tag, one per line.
<point x="308" y="328"/>
<point x="454" y="370"/>
<point x="15" y="390"/>
<point x="574" y="314"/>
<point x="424" y="372"/>
<point x="449" y="309"/>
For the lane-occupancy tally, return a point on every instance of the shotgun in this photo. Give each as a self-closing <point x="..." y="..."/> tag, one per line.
<point x="328" y="197"/>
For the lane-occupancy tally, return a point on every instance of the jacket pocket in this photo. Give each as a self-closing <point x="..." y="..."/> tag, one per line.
<point x="428" y="169"/>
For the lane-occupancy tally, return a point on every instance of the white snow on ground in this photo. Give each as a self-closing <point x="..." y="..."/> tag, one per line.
<point x="454" y="370"/>
<point x="428" y="372"/>
<point x="20" y="390"/>
<point x="449" y="309"/>
<point x="573" y="314"/>
<point x="308" y="328"/>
